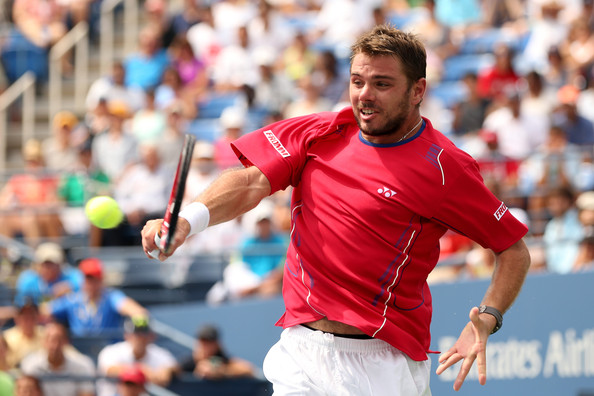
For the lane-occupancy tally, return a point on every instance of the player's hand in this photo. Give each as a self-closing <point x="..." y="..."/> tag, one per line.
<point x="153" y="227"/>
<point x="470" y="346"/>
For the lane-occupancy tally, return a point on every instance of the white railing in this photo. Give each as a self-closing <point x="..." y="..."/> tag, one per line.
<point x="106" y="43"/>
<point x="24" y="87"/>
<point x="77" y="38"/>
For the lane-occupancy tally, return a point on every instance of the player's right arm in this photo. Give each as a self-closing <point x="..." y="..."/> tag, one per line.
<point x="232" y="194"/>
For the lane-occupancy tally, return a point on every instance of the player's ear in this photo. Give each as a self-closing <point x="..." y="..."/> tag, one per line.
<point x="417" y="91"/>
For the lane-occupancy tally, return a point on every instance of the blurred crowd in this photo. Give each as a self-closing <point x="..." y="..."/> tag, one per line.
<point x="57" y="305"/>
<point x="511" y="82"/>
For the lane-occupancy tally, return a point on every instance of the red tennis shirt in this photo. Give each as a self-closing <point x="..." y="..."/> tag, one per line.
<point x="367" y="218"/>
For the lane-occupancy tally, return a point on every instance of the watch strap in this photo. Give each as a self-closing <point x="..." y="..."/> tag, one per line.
<point x="494" y="312"/>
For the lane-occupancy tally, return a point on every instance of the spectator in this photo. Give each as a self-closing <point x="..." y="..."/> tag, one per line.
<point x="174" y="92"/>
<point x="555" y="73"/>
<point x="232" y="121"/>
<point x="156" y="363"/>
<point x="204" y="39"/>
<point x="309" y="100"/>
<point x="6" y="380"/>
<point x="329" y="77"/>
<point x="95" y="309"/>
<point x="457" y="15"/>
<point x="585" y="257"/>
<point x="585" y="101"/>
<point x="148" y="123"/>
<point x="115" y="149"/>
<point x="203" y="170"/>
<point x="556" y="164"/>
<point x="257" y="269"/>
<point x="548" y="32"/>
<point x="269" y="30"/>
<point x="229" y="16"/>
<point x="26" y="336"/>
<point x="469" y="114"/>
<point x="538" y="100"/>
<point x="516" y="135"/>
<point x="112" y="88"/>
<point x="131" y="382"/>
<point x="157" y="15"/>
<point x="29" y="205"/>
<point x="192" y="73"/>
<point x="77" y="187"/>
<point x="41" y="22"/>
<point x="563" y="232"/>
<point x="494" y="82"/>
<point x="172" y="141"/>
<point x="27" y="385"/>
<point x="236" y="65"/>
<point x="298" y="59"/>
<point x="50" y="276"/>
<point x="263" y="253"/>
<point x="145" y="68"/>
<point x="274" y="91"/>
<point x="355" y="17"/>
<point x="579" y="130"/>
<point x="58" y="150"/>
<point x="578" y="49"/>
<point x="188" y="16"/>
<point x="55" y="360"/>
<point x="142" y="192"/>
<point x="210" y="361"/>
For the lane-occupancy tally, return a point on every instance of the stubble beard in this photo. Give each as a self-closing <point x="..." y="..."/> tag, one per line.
<point x="391" y="125"/>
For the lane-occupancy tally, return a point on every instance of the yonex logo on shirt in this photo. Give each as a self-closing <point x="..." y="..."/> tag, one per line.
<point x="386" y="192"/>
<point x="500" y="212"/>
<point x="278" y="146"/>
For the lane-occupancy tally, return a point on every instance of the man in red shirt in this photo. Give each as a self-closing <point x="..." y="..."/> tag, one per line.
<point x="375" y="187"/>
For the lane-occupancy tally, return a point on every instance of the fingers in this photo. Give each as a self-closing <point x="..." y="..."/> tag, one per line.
<point x="464" y="370"/>
<point x="150" y="229"/>
<point x="447" y="360"/>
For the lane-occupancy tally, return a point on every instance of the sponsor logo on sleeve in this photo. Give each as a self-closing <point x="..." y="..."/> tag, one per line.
<point x="500" y="212"/>
<point x="278" y="146"/>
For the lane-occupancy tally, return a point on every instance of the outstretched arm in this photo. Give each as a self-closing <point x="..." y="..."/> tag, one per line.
<point x="510" y="272"/>
<point x="232" y="194"/>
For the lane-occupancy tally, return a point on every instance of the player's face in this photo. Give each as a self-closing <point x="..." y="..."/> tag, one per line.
<point x="384" y="105"/>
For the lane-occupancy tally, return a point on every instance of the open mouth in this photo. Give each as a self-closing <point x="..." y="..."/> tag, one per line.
<point x="367" y="113"/>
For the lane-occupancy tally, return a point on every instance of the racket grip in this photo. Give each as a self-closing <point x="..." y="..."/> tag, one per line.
<point x="155" y="253"/>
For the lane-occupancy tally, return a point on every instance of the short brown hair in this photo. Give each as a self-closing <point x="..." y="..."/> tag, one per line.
<point x="388" y="40"/>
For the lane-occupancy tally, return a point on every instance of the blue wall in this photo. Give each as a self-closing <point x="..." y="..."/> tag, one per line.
<point x="546" y="346"/>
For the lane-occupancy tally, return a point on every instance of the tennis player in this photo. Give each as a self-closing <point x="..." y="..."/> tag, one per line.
<point x="375" y="187"/>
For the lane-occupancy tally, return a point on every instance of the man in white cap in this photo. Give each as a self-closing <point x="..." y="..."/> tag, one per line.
<point x="50" y="276"/>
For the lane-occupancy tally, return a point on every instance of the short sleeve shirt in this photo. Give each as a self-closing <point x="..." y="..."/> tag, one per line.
<point x="85" y="318"/>
<point x="367" y="219"/>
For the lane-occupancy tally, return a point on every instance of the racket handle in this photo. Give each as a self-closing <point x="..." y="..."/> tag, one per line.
<point x="155" y="253"/>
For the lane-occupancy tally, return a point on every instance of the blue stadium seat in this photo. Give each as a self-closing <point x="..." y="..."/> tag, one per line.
<point x="213" y="106"/>
<point x="207" y="129"/>
<point x="449" y="92"/>
<point x="486" y="41"/>
<point x="457" y="66"/>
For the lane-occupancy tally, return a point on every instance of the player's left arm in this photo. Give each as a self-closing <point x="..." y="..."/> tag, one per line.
<point x="508" y="277"/>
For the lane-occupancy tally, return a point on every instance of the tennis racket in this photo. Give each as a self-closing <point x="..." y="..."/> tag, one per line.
<point x="165" y="235"/>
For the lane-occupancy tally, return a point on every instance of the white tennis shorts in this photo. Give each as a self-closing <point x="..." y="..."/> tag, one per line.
<point x="307" y="362"/>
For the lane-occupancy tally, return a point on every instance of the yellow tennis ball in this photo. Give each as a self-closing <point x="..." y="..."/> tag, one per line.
<point x="104" y="212"/>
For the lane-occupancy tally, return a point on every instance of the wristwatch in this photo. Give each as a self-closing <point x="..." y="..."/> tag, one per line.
<point x="495" y="312"/>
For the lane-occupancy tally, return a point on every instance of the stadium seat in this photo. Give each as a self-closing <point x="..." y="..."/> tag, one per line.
<point x="449" y="92"/>
<point x="207" y="129"/>
<point x="457" y="66"/>
<point x="213" y="106"/>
